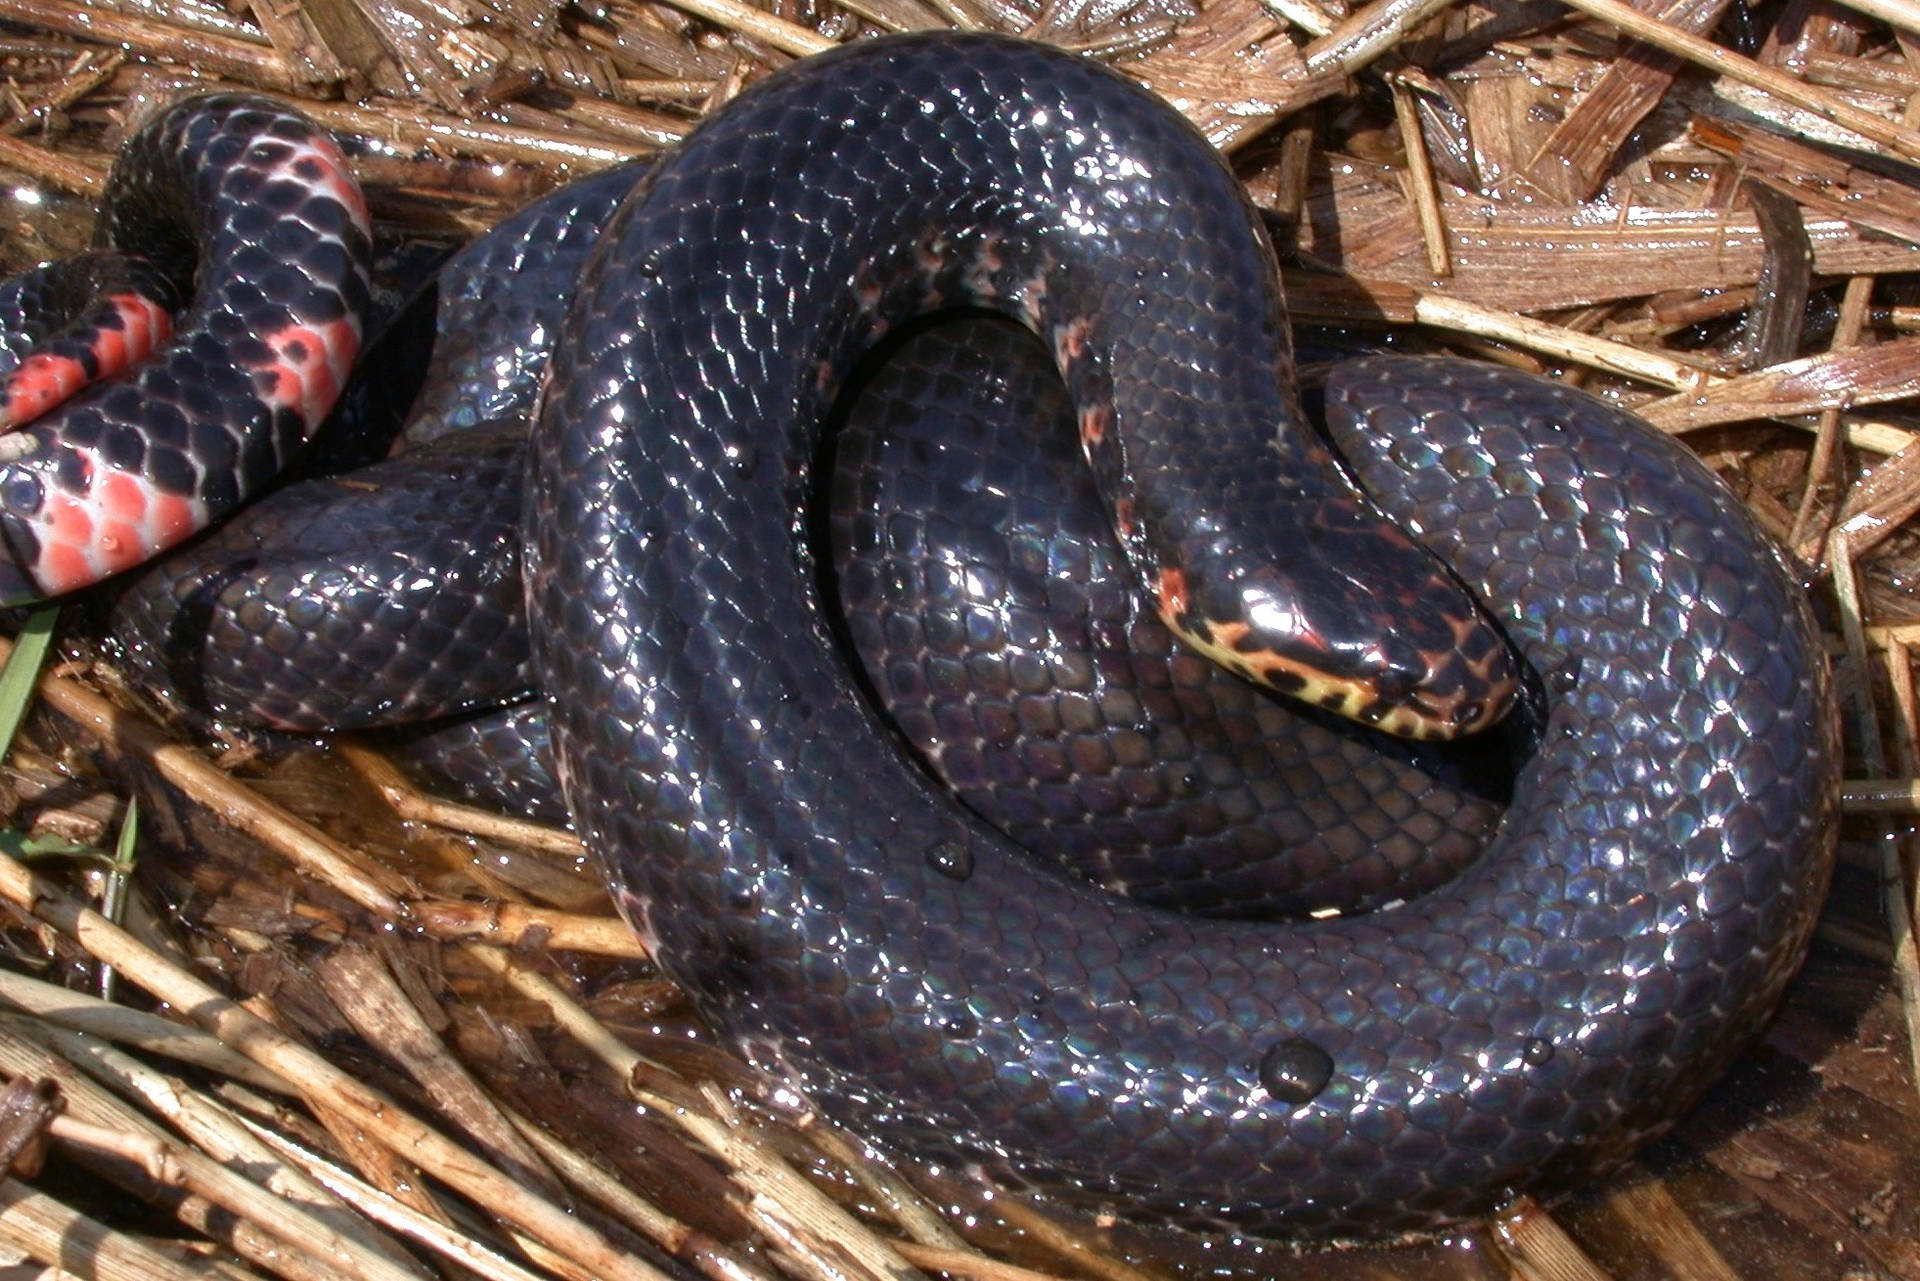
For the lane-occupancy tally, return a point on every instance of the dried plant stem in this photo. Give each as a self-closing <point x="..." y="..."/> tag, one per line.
<point x="643" y="130"/>
<point x="916" y="1217"/>
<point x="1461" y="316"/>
<point x="293" y="1207"/>
<point x="1867" y="944"/>
<point x="409" y="802"/>
<point x="1853" y="633"/>
<point x="514" y="924"/>
<point x="320" y="1081"/>
<point x="1798" y="387"/>
<point x="1837" y="379"/>
<point x="1366" y="34"/>
<point x="1675" y="1240"/>
<point x="1903" y="14"/>
<point x="788" y="37"/>
<point x="966" y="1263"/>
<point x="1303" y="14"/>
<point x="366" y="992"/>
<point x="1537" y="1248"/>
<point x="1886" y="634"/>
<point x="1420" y="180"/>
<point x="1881" y="795"/>
<point x="710" y="1258"/>
<point x="1069" y="1245"/>
<point x="1826" y="187"/>
<point x="393" y="1214"/>
<point x="1571" y="162"/>
<point x="58" y="171"/>
<point x="248" y="62"/>
<point x="182" y="1167"/>
<point x="1898" y="894"/>
<point x="780" y="1200"/>
<point x="23" y="1052"/>
<point x="76" y="85"/>
<point x="418" y="128"/>
<point x="312" y="851"/>
<point x="239" y="806"/>
<point x="1726" y="62"/>
<point x="1848" y="328"/>
<point x="784" y="1204"/>
<point x="624" y="1060"/>
<point x="1901" y="894"/>
<point x="79" y="1012"/>
<point x="959" y="15"/>
<point x="55" y="1234"/>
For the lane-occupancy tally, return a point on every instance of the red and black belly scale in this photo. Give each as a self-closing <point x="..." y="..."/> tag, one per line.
<point x="243" y="206"/>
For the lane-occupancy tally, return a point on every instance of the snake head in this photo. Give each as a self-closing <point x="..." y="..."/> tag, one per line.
<point x="1362" y="622"/>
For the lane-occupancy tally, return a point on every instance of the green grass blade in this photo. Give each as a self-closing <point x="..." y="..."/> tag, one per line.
<point x="129" y="837"/>
<point x="113" y="895"/>
<point x="22" y="672"/>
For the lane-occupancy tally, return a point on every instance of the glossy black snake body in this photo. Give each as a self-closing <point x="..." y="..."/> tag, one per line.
<point x="1634" y="919"/>
<point x="1651" y="889"/>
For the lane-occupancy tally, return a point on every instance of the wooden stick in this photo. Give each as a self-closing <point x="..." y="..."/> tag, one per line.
<point x="1897" y="882"/>
<point x="55" y="1234"/>
<point x="788" y="37"/>
<point x="1726" y="62"/>
<point x="318" y="1078"/>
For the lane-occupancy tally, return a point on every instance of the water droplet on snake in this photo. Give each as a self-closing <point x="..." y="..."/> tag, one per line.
<point x="1295" y="1071"/>
<point x="951" y="859"/>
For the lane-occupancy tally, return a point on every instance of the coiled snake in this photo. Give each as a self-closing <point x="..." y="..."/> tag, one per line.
<point x="1634" y="919"/>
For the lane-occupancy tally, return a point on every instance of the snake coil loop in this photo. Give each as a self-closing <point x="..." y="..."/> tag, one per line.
<point x="1631" y="923"/>
<point x="1648" y="895"/>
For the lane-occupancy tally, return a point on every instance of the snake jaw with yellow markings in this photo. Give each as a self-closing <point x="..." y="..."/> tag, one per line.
<point x="1417" y="659"/>
<point x="1394" y="702"/>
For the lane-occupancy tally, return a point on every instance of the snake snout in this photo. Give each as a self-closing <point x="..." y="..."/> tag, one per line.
<point x="1443" y="670"/>
<point x="1402" y="686"/>
<point x="1451" y="696"/>
<point x="1378" y="635"/>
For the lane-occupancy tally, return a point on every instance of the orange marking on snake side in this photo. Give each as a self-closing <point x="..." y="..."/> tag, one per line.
<point x="124" y="538"/>
<point x="119" y="546"/>
<point x="1093" y="425"/>
<point x="1070" y="341"/>
<point x="67" y="535"/>
<point x="310" y="365"/>
<point x="110" y="350"/>
<point x="1229" y="634"/>
<point x="122" y="498"/>
<point x="321" y="164"/>
<point x="144" y="325"/>
<point x="45" y="379"/>
<point x="39" y="383"/>
<point x="120" y="523"/>
<point x="170" y="518"/>
<point x="1170" y="590"/>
